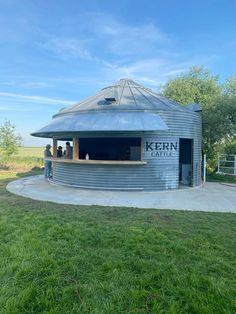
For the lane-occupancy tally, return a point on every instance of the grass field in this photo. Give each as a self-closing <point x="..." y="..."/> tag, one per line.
<point x="31" y="152"/>
<point x="60" y="259"/>
<point x="26" y="159"/>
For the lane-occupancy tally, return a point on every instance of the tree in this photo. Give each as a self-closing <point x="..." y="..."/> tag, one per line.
<point x="230" y="86"/>
<point x="228" y="110"/>
<point x="218" y="104"/>
<point x="9" y="140"/>
<point x="197" y="86"/>
<point x="230" y="147"/>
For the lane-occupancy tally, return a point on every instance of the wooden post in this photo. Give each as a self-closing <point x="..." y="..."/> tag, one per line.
<point x="75" y="148"/>
<point x="54" y="148"/>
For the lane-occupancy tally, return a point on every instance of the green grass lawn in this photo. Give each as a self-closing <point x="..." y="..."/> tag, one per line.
<point x="89" y="259"/>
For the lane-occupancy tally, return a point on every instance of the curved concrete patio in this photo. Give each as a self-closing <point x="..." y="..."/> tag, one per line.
<point x="212" y="197"/>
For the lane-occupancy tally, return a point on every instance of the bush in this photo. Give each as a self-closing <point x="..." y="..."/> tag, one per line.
<point x="9" y="141"/>
<point x="230" y="147"/>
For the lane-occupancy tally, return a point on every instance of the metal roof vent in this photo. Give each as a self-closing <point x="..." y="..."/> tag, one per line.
<point x="110" y="94"/>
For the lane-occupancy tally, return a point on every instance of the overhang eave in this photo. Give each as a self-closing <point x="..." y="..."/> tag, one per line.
<point x="103" y="122"/>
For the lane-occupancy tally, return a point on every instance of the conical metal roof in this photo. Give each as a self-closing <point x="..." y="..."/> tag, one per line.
<point x="124" y="95"/>
<point x="124" y="106"/>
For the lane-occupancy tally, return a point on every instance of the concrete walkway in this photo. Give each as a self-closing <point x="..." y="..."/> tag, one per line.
<point x="213" y="197"/>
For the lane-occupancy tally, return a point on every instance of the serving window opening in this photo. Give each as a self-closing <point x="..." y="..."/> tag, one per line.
<point x="110" y="148"/>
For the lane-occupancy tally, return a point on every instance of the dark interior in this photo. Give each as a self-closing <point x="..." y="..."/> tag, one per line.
<point x="185" y="150"/>
<point x="185" y="160"/>
<point x="110" y="148"/>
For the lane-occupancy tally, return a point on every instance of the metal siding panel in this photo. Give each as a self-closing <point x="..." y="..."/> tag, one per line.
<point x="157" y="174"/>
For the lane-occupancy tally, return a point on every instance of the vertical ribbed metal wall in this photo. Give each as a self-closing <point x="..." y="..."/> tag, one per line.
<point x="159" y="173"/>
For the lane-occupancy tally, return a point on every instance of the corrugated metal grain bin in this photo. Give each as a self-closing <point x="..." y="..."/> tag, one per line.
<point x="127" y="137"/>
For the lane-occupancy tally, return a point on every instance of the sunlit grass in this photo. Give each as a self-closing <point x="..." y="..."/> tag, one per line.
<point x="26" y="159"/>
<point x="30" y="152"/>
<point x="89" y="259"/>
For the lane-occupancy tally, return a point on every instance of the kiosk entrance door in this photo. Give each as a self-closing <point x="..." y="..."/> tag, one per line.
<point x="186" y="161"/>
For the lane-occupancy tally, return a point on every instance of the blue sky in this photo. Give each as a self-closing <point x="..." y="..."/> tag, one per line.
<point x="54" y="53"/>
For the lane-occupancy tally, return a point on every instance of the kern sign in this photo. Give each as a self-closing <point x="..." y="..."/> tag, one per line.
<point x="161" y="148"/>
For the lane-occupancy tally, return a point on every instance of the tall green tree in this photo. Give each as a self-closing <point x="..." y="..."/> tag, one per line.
<point x="9" y="140"/>
<point x="197" y="85"/>
<point x="218" y="103"/>
<point x="228" y="110"/>
<point x="230" y="87"/>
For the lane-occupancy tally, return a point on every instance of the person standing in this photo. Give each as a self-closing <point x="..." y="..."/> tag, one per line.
<point x="47" y="163"/>
<point x="69" y="151"/>
<point x="59" y="152"/>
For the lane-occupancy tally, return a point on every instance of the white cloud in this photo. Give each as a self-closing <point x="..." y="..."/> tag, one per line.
<point x="175" y="72"/>
<point x="6" y="108"/>
<point x="150" y="72"/>
<point x="153" y="72"/>
<point x="140" y="51"/>
<point x="94" y="34"/>
<point x="35" y="99"/>
<point x="143" y="32"/>
<point x="68" y="47"/>
<point x="125" y="40"/>
<point x="37" y="85"/>
<point x="113" y="49"/>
